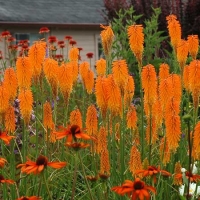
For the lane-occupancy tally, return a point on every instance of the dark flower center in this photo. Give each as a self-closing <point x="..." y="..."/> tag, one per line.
<point x="41" y="160"/>
<point x="75" y="129"/>
<point x="138" y="185"/>
<point x="1" y="178"/>
<point x="24" y="198"/>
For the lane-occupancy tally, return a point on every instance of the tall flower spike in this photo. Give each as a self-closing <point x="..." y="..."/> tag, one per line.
<point x="165" y="153"/>
<point x="182" y="53"/>
<point x="173" y="124"/>
<point x="114" y="97"/>
<point x="193" y="42"/>
<point x="83" y="70"/>
<point x="135" y="162"/>
<point x="163" y="71"/>
<point x="102" y="139"/>
<point x="91" y="120"/>
<point x="10" y="119"/>
<point x="129" y="91"/>
<point x="36" y="55"/>
<point x="101" y="67"/>
<point x="149" y="84"/>
<point x="186" y="73"/>
<point x="136" y="41"/>
<point x="131" y="117"/>
<point x="177" y="170"/>
<point x="89" y="81"/>
<point x="76" y="118"/>
<point x="196" y="144"/>
<point x="10" y="82"/>
<point x="101" y="91"/>
<point x="151" y="127"/>
<point x="25" y="104"/>
<point x="74" y="66"/>
<point x="107" y="37"/>
<point x="24" y="72"/>
<point x="174" y="29"/>
<point x="104" y="163"/>
<point x="65" y="79"/>
<point x="74" y="54"/>
<point x="51" y="72"/>
<point x="4" y="99"/>
<point x="120" y="74"/>
<point x="47" y="116"/>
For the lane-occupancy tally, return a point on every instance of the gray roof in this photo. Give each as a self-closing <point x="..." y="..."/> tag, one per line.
<point x="51" y="11"/>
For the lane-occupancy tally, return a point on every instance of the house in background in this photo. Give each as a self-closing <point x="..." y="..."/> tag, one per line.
<point x="80" y="19"/>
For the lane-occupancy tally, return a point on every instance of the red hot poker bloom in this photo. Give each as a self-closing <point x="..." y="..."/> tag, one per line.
<point x="73" y="132"/>
<point x="29" y="198"/>
<point x="136" y="189"/>
<point x="41" y="163"/>
<point x="152" y="171"/>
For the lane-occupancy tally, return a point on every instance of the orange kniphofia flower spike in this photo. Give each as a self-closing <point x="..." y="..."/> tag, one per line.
<point x="3" y="161"/>
<point x="74" y="66"/>
<point x="163" y="71"/>
<point x="107" y="37"/>
<point x="182" y="53"/>
<point x="129" y="91"/>
<point x="173" y="124"/>
<point x="196" y="141"/>
<point x="102" y="139"/>
<point x="73" y="54"/>
<point x="10" y="82"/>
<point x="151" y="128"/>
<point x="91" y="120"/>
<point x="4" y="99"/>
<point x="83" y="70"/>
<point x="51" y="72"/>
<point x="152" y="171"/>
<point x="5" y="137"/>
<point x="101" y="67"/>
<point x="131" y="117"/>
<point x="10" y="119"/>
<point x="7" y="181"/>
<point x="47" y="116"/>
<point x="165" y="153"/>
<point x="39" y="165"/>
<point x="135" y="162"/>
<point x="36" y="55"/>
<point x="30" y="198"/>
<point x="72" y="132"/>
<point x="76" y="118"/>
<point x="194" y="75"/>
<point x="101" y="91"/>
<point x="174" y="29"/>
<point x="177" y="179"/>
<point x="89" y="81"/>
<point x="25" y="104"/>
<point x="105" y="162"/>
<point x="137" y="189"/>
<point x="193" y="41"/>
<point x="120" y="73"/>
<point x="114" y="97"/>
<point x="136" y="41"/>
<point x="149" y="84"/>
<point x="24" y="72"/>
<point x="65" y="79"/>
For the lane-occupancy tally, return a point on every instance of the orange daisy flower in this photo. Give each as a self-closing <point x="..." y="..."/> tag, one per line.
<point x="41" y="163"/>
<point x="5" y="137"/>
<point x="152" y="171"/>
<point x="2" y="162"/>
<point x="188" y="175"/>
<point x="73" y="132"/>
<point x="29" y="198"/>
<point x="136" y="189"/>
<point x="7" y="181"/>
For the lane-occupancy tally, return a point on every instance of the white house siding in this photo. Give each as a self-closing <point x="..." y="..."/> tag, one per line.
<point x="86" y="39"/>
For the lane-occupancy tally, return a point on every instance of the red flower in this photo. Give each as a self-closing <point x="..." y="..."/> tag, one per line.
<point x="80" y="49"/>
<point x="10" y="39"/>
<point x="41" y="163"/>
<point x="5" y="34"/>
<point x="7" y="181"/>
<point x="29" y="198"/>
<point x="188" y="175"/>
<point x="67" y="37"/>
<point x="136" y="189"/>
<point x="44" y="30"/>
<point x="52" y="39"/>
<point x="152" y="171"/>
<point x="89" y="55"/>
<point x="5" y="137"/>
<point x="72" y="42"/>
<point x="72" y="132"/>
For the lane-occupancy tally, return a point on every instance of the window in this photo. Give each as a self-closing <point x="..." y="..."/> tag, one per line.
<point x="31" y="37"/>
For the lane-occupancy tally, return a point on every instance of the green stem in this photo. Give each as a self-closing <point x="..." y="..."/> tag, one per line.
<point x="90" y="193"/>
<point x="48" y="191"/>
<point x="74" y="177"/>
